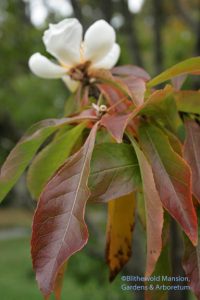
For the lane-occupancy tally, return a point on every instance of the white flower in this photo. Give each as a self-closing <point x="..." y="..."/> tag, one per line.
<point x="76" y="57"/>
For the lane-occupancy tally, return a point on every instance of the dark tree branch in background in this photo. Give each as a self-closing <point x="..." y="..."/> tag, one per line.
<point x="77" y="11"/>
<point x="198" y="35"/>
<point x="184" y="14"/>
<point x="158" y="42"/>
<point x="107" y="9"/>
<point x="131" y="33"/>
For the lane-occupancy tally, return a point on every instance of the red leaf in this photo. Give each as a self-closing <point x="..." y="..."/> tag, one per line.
<point x="59" y="229"/>
<point x="137" y="87"/>
<point x="130" y="70"/>
<point x="172" y="177"/>
<point x="154" y="212"/>
<point x="192" y="154"/>
<point x="114" y="97"/>
<point x="116" y="125"/>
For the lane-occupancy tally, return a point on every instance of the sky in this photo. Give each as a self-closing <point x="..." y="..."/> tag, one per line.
<point x="64" y="8"/>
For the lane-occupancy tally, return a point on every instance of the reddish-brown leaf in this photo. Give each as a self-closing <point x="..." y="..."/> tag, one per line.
<point x="172" y="177"/>
<point x="154" y="212"/>
<point x="192" y="154"/>
<point x="137" y="87"/>
<point x="130" y="70"/>
<point x="116" y="125"/>
<point x="121" y="220"/>
<point x="114" y="97"/>
<point x="59" y="229"/>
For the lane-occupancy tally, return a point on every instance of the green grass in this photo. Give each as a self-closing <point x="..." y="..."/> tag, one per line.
<point x="86" y="277"/>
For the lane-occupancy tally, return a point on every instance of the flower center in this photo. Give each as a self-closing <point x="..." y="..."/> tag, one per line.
<point x="80" y="72"/>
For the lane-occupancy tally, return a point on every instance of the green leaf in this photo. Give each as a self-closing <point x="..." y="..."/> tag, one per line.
<point x="113" y="166"/>
<point x="23" y="152"/>
<point x="51" y="158"/>
<point x="188" y="66"/>
<point x="162" y="107"/>
<point x="71" y="106"/>
<point x="172" y="177"/>
<point x="188" y="101"/>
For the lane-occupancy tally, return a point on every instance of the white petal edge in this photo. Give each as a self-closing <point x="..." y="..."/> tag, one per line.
<point x="44" y="68"/>
<point x="99" y="40"/>
<point x="70" y="83"/>
<point x="63" y="41"/>
<point x="110" y="60"/>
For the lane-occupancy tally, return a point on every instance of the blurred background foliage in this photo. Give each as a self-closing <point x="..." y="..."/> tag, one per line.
<point x="153" y="34"/>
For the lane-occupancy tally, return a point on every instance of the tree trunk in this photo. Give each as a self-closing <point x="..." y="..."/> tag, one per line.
<point x="107" y="9"/>
<point x="131" y="32"/>
<point x="158" y="41"/>
<point x="77" y="11"/>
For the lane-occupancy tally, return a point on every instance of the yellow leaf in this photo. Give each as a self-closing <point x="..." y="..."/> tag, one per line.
<point x="120" y="225"/>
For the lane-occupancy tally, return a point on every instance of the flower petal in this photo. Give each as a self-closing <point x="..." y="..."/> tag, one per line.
<point x="43" y="67"/>
<point x="99" y="40"/>
<point x="70" y="83"/>
<point x="110" y="59"/>
<point x="63" y="40"/>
